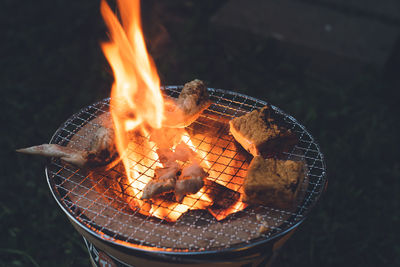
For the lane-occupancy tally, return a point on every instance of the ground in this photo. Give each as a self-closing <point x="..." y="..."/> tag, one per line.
<point x="52" y="66"/>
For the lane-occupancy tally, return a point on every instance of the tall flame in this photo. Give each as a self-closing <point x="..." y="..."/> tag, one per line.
<point x="136" y="99"/>
<point x="136" y="90"/>
<point x="137" y="106"/>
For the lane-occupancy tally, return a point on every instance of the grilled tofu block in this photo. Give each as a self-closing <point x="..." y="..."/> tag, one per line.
<point x="260" y="131"/>
<point x="273" y="182"/>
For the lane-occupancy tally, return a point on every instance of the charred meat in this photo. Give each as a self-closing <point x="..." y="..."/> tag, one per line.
<point x="190" y="181"/>
<point x="163" y="182"/>
<point x="101" y="151"/>
<point x="192" y="100"/>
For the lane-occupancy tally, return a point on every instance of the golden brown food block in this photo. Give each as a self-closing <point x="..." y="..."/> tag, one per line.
<point x="273" y="182"/>
<point x="259" y="131"/>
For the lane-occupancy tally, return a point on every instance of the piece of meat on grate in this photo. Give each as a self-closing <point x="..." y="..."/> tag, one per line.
<point x="101" y="150"/>
<point x="190" y="181"/>
<point x="192" y="100"/>
<point x="163" y="182"/>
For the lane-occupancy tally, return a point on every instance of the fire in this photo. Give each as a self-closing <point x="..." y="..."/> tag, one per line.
<point x="137" y="109"/>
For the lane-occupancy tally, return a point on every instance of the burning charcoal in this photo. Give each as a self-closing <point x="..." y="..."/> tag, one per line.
<point x="190" y="181"/>
<point x="191" y="102"/>
<point x="101" y="151"/>
<point x="164" y="181"/>
<point x="222" y="198"/>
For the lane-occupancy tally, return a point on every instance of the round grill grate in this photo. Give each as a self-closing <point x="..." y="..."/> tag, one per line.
<point x="94" y="202"/>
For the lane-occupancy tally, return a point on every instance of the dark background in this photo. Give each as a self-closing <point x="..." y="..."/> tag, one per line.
<point x="52" y="65"/>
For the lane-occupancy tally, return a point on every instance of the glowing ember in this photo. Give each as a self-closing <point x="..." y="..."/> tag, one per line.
<point x="137" y="109"/>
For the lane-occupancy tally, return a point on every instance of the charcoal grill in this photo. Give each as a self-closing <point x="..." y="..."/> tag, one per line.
<point x="93" y="204"/>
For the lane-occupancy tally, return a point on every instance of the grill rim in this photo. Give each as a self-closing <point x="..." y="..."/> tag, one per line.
<point x="256" y="242"/>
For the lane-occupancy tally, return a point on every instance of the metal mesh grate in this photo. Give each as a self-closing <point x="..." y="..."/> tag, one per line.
<point x="95" y="200"/>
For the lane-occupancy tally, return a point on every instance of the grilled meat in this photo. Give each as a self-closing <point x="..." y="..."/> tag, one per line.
<point x="163" y="182"/>
<point x="182" y="153"/>
<point x="190" y="181"/>
<point x="192" y="100"/>
<point x="166" y="179"/>
<point x="101" y="151"/>
<point x="69" y="155"/>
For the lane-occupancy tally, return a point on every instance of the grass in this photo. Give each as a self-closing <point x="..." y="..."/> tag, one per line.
<point x="52" y="66"/>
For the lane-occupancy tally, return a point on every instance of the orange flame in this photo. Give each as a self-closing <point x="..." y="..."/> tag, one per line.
<point x="137" y="85"/>
<point x="137" y="108"/>
<point x="136" y="99"/>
